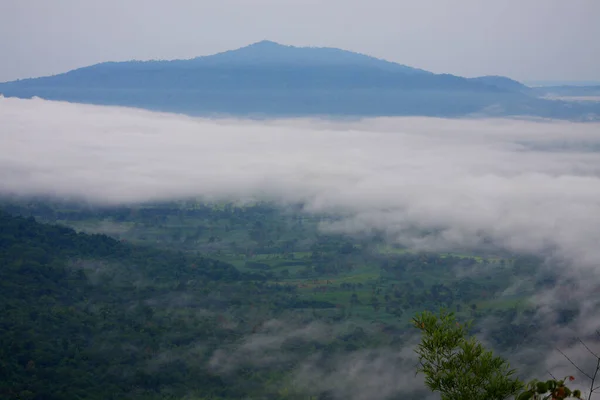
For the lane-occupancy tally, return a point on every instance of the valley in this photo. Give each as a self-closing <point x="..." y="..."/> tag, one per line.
<point x="176" y="287"/>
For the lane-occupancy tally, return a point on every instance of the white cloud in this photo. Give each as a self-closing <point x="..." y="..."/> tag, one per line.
<point x="525" y="185"/>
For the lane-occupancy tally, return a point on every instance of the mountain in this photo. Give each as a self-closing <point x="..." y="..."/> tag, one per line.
<point x="270" y="53"/>
<point x="271" y="79"/>
<point x="263" y="65"/>
<point x="502" y="82"/>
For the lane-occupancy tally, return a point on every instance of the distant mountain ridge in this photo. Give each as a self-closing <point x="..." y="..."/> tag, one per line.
<point x="502" y="82"/>
<point x="270" y="79"/>
<point x="268" y="52"/>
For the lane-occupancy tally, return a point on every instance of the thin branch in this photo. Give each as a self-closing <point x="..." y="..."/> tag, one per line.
<point x="550" y="373"/>
<point x="575" y="365"/>
<point x="588" y="349"/>
<point x="594" y="378"/>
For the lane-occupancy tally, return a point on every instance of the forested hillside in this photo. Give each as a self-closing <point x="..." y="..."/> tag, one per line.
<point x="85" y="316"/>
<point x="147" y="317"/>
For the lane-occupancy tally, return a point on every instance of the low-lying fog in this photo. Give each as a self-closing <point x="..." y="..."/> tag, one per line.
<point x="523" y="185"/>
<point x="520" y="185"/>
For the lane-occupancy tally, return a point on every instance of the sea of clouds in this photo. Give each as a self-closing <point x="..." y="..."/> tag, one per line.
<point x="520" y="185"/>
<point x="523" y="185"/>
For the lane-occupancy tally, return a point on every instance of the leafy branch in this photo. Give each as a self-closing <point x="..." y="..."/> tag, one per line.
<point x="459" y="367"/>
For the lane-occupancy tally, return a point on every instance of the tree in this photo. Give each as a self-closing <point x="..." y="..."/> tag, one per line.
<point x="590" y="376"/>
<point x="460" y="368"/>
<point x="354" y="299"/>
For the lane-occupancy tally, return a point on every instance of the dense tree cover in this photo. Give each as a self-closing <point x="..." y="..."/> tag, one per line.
<point x="83" y="314"/>
<point x="90" y="317"/>
<point x="285" y="245"/>
<point x="142" y="315"/>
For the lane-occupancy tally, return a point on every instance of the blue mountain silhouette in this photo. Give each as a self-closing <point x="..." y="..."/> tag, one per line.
<point x="267" y="78"/>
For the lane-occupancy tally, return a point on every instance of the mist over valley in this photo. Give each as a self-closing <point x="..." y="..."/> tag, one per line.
<point x="299" y="199"/>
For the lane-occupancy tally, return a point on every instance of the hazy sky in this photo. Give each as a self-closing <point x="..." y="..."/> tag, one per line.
<point x="523" y="39"/>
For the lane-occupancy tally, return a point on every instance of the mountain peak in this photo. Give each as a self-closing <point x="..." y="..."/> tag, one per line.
<point x="267" y="52"/>
<point x="266" y="43"/>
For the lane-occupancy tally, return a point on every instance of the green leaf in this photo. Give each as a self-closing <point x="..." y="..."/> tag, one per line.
<point x="457" y="365"/>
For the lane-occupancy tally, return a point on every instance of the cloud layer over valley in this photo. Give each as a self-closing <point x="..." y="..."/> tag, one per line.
<point x="522" y="185"/>
<point x="445" y="184"/>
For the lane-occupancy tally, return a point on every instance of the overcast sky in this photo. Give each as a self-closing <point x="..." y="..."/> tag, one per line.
<point x="523" y="39"/>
